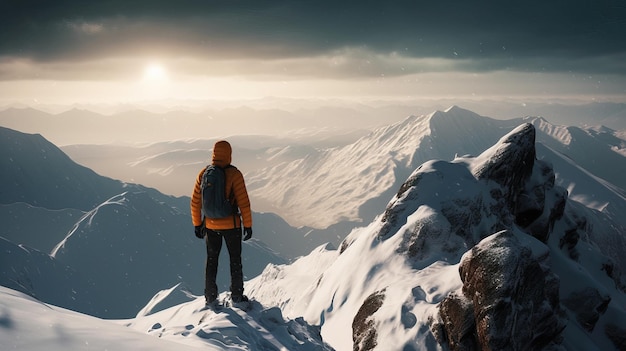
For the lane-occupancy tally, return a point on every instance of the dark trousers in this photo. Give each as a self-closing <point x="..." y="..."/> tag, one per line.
<point x="213" y="248"/>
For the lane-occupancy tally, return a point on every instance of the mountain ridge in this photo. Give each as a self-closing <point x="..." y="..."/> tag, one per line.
<point x="386" y="156"/>
<point x="421" y="275"/>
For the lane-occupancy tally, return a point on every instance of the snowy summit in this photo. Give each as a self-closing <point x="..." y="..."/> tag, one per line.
<point x="481" y="252"/>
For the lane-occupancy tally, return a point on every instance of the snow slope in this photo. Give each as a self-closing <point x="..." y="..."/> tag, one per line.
<point x="47" y="279"/>
<point x="28" y="324"/>
<point x="600" y="151"/>
<point x="391" y="276"/>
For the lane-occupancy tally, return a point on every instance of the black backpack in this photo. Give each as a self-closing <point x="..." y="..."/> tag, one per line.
<point x="215" y="204"/>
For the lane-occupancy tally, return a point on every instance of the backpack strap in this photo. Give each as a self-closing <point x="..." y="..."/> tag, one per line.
<point x="233" y="200"/>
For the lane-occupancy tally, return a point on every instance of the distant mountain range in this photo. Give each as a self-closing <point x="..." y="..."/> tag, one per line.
<point x="282" y="170"/>
<point x="354" y="181"/>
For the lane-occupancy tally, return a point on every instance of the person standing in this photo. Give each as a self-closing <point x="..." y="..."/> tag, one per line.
<point x="227" y="229"/>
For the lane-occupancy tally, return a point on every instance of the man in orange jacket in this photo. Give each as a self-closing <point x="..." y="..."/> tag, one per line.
<point x="229" y="228"/>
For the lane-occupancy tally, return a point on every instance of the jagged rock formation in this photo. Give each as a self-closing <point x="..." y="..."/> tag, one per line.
<point x="510" y="299"/>
<point x="364" y="333"/>
<point x="481" y="253"/>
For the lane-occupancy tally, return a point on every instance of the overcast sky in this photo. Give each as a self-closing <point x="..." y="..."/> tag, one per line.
<point x="142" y="49"/>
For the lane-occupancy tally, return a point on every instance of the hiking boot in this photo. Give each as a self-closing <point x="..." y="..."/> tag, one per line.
<point x="239" y="298"/>
<point x="214" y="305"/>
<point x="210" y="301"/>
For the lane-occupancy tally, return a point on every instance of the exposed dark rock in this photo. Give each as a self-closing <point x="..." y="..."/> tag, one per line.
<point x="364" y="335"/>
<point x="464" y="215"/>
<point x="512" y="161"/>
<point x="457" y="319"/>
<point x="572" y="236"/>
<point x="345" y="244"/>
<point x="613" y="272"/>
<point x="428" y="239"/>
<point x="527" y="189"/>
<point x="391" y="214"/>
<point x="513" y="295"/>
<point x="617" y="336"/>
<point x="540" y="204"/>
<point x="587" y="304"/>
<point x="410" y="182"/>
<point x="528" y="209"/>
<point x="510" y="297"/>
<point x="531" y="201"/>
<point x="569" y="241"/>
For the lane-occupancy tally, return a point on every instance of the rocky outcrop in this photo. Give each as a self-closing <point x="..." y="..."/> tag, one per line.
<point x="527" y="186"/>
<point x="587" y="305"/>
<point x="539" y="204"/>
<point x="510" y="161"/>
<point x="617" y="335"/>
<point x="512" y="296"/>
<point x="364" y="332"/>
<point x="477" y="253"/>
<point x="458" y="326"/>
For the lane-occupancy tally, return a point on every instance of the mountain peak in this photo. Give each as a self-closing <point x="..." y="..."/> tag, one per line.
<point x="33" y="155"/>
<point x="464" y="242"/>
<point x="453" y="110"/>
<point x="456" y="109"/>
<point x="509" y="160"/>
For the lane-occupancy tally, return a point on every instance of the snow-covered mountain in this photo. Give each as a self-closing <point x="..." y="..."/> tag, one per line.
<point x="121" y="241"/>
<point x="481" y="252"/>
<point x="38" y="173"/>
<point x="128" y="123"/>
<point x="281" y="171"/>
<point x="169" y="166"/>
<point x="351" y="183"/>
<point x="518" y="247"/>
<point x="28" y="324"/>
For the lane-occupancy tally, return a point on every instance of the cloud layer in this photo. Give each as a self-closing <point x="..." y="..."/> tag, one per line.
<point x="312" y="38"/>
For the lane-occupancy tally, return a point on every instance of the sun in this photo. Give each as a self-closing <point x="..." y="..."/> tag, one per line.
<point x="155" y="72"/>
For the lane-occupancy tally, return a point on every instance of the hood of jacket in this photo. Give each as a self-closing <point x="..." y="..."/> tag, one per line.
<point x="222" y="153"/>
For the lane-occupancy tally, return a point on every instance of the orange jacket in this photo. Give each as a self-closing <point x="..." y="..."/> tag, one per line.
<point x="234" y="181"/>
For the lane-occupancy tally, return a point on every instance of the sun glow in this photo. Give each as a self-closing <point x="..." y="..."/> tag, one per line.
<point x="155" y="72"/>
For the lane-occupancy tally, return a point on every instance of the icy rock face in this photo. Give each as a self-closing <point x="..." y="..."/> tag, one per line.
<point x="526" y="184"/>
<point x="522" y="193"/>
<point x="510" y="161"/>
<point x="510" y="299"/>
<point x="466" y="257"/>
<point x="587" y="304"/>
<point x="539" y="204"/>
<point x="364" y="333"/>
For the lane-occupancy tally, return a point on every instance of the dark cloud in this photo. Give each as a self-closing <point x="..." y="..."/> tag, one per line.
<point x="560" y="35"/>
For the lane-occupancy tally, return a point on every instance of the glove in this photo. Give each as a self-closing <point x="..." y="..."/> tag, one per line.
<point x="199" y="231"/>
<point x="248" y="232"/>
